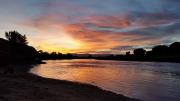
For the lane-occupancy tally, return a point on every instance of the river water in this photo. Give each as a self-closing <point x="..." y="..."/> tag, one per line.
<point x="149" y="81"/>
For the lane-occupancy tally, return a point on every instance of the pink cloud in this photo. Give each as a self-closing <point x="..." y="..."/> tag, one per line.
<point x="92" y="40"/>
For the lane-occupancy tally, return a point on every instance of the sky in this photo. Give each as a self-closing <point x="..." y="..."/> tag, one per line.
<point x="92" y="26"/>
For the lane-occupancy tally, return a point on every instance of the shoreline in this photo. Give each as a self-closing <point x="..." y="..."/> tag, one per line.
<point x="20" y="85"/>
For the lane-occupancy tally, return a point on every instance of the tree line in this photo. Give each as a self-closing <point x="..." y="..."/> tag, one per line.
<point x="159" y="50"/>
<point x="18" y="49"/>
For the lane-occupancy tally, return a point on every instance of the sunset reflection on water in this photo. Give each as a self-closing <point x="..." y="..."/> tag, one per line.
<point x="147" y="80"/>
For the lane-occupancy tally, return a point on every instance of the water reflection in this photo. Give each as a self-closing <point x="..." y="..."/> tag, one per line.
<point x="145" y="80"/>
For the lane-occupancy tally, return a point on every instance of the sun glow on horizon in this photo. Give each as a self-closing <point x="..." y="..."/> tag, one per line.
<point x="57" y="40"/>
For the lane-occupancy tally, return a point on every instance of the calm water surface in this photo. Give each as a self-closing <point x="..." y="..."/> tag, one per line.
<point x="149" y="81"/>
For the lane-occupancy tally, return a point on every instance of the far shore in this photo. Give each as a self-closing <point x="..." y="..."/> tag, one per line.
<point x="19" y="85"/>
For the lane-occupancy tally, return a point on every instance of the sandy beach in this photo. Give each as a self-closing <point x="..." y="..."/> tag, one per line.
<point x="19" y="85"/>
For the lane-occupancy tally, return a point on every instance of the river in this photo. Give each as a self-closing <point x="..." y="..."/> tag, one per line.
<point x="149" y="81"/>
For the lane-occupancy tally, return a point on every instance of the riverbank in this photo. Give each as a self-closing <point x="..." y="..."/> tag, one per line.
<point x="19" y="85"/>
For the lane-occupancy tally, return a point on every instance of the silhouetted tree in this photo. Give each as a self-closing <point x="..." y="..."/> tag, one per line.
<point x="59" y="54"/>
<point x="139" y="52"/>
<point x="54" y="53"/>
<point x="69" y="55"/>
<point x="149" y="53"/>
<point x="16" y="37"/>
<point x="40" y="51"/>
<point x="175" y="48"/>
<point x="128" y="53"/>
<point x="160" y="50"/>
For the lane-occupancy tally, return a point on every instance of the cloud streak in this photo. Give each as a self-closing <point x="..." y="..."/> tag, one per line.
<point x="84" y="26"/>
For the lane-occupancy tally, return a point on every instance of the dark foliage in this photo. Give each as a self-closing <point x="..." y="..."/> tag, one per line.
<point x="159" y="53"/>
<point x="15" y="49"/>
<point x="54" y="55"/>
<point x="139" y="52"/>
<point x="16" y="37"/>
<point x="175" y="48"/>
<point x="128" y="53"/>
<point x="160" y="50"/>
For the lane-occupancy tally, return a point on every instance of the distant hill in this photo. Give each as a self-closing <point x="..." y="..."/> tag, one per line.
<point x="11" y="52"/>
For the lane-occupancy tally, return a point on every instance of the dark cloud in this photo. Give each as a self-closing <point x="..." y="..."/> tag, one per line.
<point x="123" y="48"/>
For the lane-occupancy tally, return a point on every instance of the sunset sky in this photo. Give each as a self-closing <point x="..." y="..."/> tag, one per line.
<point x="92" y="26"/>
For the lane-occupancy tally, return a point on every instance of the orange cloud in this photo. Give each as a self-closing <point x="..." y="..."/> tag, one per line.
<point x="109" y="21"/>
<point x="56" y="35"/>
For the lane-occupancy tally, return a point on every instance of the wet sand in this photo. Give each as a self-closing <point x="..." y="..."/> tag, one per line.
<point x="16" y="84"/>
